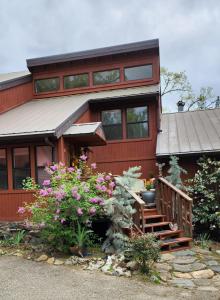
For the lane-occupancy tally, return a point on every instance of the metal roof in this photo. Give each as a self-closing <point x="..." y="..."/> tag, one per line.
<point x="119" y="49"/>
<point x="8" y="80"/>
<point x="189" y="132"/>
<point x="55" y="115"/>
<point x="84" y="128"/>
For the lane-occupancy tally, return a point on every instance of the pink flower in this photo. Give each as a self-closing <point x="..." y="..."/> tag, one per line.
<point x="98" y="187"/>
<point x="94" y="200"/>
<point x="59" y="195"/>
<point x="112" y="184"/>
<point x="93" y="166"/>
<point x="43" y="193"/>
<point x="71" y="169"/>
<point x="58" y="177"/>
<point x="61" y="164"/>
<point x="104" y="188"/>
<point x="58" y="211"/>
<point x="49" y="190"/>
<point x="21" y="210"/>
<point x="62" y="171"/>
<point x="62" y="220"/>
<point x="83" y="157"/>
<point x="79" y="211"/>
<point x="100" y="179"/>
<point x="46" y="182"/>
<point x="92" y="211"/>
<point x="109" y="192"/>
<point x="54" y="168"/>
<point x="107" y="177"/>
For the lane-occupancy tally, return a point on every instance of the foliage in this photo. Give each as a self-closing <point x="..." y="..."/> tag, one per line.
<point x="205" y="190"/>
<point x="30" y="184"/>
<point x="150" y="184"/>
<point x="81" y="236"/>
<point x="119" y="209"/>
<point x="177" y="83"/>
<point x="15" y="240"/>
<point x="145" y="249"/>
<point x="175" y="172"/>
<point x="70" y="197"/>
<point x="203" y="240"/>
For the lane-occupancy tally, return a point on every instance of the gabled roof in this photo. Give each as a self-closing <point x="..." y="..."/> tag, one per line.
<point x="73" y="56"/>
<point x="53" y="116"/>
<point x="8" y="80"/>
<point x="189" y="132"/>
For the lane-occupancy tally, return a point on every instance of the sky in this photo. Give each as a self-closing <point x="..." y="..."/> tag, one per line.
<point x="188" y="31"/>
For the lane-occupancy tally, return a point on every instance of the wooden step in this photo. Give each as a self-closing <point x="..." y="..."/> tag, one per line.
<point x="154" y="217"/>
<point x="150" y="211"/>
<point x="158" y="224"/>
<point x="168" y="233"/>
<point x="177" y="240"/>
<point x="175" y="244"/>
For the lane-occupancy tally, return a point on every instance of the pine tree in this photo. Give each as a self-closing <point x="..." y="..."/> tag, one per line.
<point x="175" y="172"/>
<point x="120" y="210"/>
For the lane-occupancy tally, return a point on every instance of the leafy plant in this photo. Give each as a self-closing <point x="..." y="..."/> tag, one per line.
<point x="14" y="240"/>
<point x="203" y="240"/>
<point x="175" y="172"/>
<point x="145" y="249"/>
<point x="81" y="236"/>
<point x="204" y="188"/>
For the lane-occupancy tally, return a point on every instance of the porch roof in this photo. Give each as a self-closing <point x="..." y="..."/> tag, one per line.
<point x="190" y="132"/>
<point x="88" y="134"/>
<point x="53" y="116"/>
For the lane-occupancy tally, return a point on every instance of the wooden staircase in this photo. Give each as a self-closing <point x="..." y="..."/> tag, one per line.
<point x="172" y="206"/>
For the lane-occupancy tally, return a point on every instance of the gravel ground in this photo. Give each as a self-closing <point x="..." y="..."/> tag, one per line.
<point x="22" y="279"/>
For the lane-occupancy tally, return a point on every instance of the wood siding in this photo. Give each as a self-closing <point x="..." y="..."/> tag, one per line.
<point x="15" y="96"/>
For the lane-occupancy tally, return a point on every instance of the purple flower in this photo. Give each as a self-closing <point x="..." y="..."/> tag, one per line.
<point x="59" y="195"/>
<point x="98" y="187"/>
<point x="46" y="182"/>
<point x="21" y="210"/>
<point x="43" y="193"/>
<point x="93" y="166"/>
<point x="62" y="220"/>
<point x="112" y="184"/>
<point x="92" y="211"/>
<point x="83" y="157"/>
<point x="100" y="179"/>
<point x="58" y="177"/>
<point x="62" y="171"/>
<point x="49" y="190"/>
<point x="94" y="200"/>
<point x="71" y="169"/>
<point x="107" y="177"/>
<point x="54" y="168"/>
<point x="58" y="211"/>
<point x="79" y="211"/>
<point x="104" y="188"/>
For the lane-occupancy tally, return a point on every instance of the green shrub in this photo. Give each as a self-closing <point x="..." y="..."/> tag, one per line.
<point x="145" y="249"/>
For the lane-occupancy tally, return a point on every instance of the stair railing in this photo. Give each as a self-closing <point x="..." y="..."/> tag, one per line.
<point x="175" y="204"/>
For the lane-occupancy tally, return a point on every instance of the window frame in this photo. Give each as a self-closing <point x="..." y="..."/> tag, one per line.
<point x="47" y="78"/>
<point x="77" y="87"/>
<point x="112" y="125"/>
<point x="13" y="168"/>
<point x="118" y="68"/>
<point x="139" y="122"/>
<point x="36" y="167"/>
<point x="5" y="169"/>
<point x="136" y="66"/>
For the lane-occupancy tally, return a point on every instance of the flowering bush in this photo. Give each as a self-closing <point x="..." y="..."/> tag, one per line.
<point x="71" y="196"/>
<point x="150" y="184"/>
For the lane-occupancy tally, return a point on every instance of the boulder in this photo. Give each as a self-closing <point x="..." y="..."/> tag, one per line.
<point x="132" y="265"/>
<point x="58" y="262"/>
<point x="182" y="275"/>
<point x="205" y="274"/>
<point x="51" y="260"/>
<point x="43" y="257"/>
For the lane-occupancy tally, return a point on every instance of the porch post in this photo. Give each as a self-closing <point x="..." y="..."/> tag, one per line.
<point x="61" y="151"/>
<point x="10" y="166"/>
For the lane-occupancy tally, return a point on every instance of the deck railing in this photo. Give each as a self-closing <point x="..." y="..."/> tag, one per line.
<point x="175" y="204"/>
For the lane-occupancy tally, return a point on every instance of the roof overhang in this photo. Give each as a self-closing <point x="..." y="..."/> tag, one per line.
<point x="86" y="134"/>
<point x="13" y="79"/>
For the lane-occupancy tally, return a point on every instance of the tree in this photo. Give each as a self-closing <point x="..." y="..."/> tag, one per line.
<point x="178" y="83"/>
<point x="175" y="172"/>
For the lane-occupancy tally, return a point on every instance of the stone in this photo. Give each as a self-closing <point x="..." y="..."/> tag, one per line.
<point x="58" y="262"/>
<point x="163" y="267"/>
<point x="215" y="268"/>
<point x="51" y="260"/>
<point x="68" y="262"/>
<point x="185" y="283"/>
<point x="211" y="263"/>
<point x="206" y="274"/>
<point x="43" y="257"/>
<point x="202" y="282"/>
<point x="182" y="275"/>
<point x="184" y="260"/>
<point x="167" y="257"/>
<point x="127" y="274"/>
<point x="2" y="252"/>
<point x="218" y="252"/>
<point x="196" y="266"/>
<point x="184" y="253"/>
<point x="208" y="288"/>
<point x="94" y="265"/>
<point x="165" y="276"/>
<point x="132" y="265"/>
<point x="18" y="254"/>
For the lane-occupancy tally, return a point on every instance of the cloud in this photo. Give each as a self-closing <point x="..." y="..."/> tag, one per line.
<point x="188" y="32"/>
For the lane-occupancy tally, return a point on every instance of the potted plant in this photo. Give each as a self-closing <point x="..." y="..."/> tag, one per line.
<point x="80" y="240"/>
<point x="149" y="195"/>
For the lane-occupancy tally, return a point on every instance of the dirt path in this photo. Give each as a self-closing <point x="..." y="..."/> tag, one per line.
<point x="23" y="279"/>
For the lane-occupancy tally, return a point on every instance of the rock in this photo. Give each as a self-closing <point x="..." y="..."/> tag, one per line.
<point x="182" y="275"/>
<point x="202" y="282"/>
<point x="184" y="260"/>
<point x="167" y="257"/>
<point x="18" y="254"/>
<point x="206" y="274"/>
<point x="51" y="260"/>
<point x="43" y="257"/>
<point x="215" y="268"/>
<point x="211" y="263"/>
<point x="216" y="280"/>
<point x="127" y="274"/>
<point x="185" y="283"/>
<point x="2" y="252"/>
<point x="184" y="253"/>
<point x="163" y="267"/>
<point x="196" y="266"/>
<point x="203" y="251"/>
<point x="218" y="252"/>
<point x="165" y="276"/>
<point x="208" y="288"/>
<point x="76" y="260"/>
<point x="132" y="265"/>
<point x="58" y="262"/>
<point x="68" y="262"/>
<point x="94" y="265"/>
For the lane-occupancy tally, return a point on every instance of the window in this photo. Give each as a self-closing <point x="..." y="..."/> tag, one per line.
<point x="105" y="77"/>
<point x="3" y="170"/>
<point x="74" y="81"/>
<point x="138" y="73"/>
<point x="44" y="158"/>
<point x="47" y="85"/>
<point x="112" y="124"/>
<point x="21" y="166"/>
<point x="137" y="122"/>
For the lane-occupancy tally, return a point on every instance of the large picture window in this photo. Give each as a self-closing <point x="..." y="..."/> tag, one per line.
<point x="138" y="72"/>
<point x="21" y="166"/>
<point x="47" y="85"/>
<point x="44" y="158"/>
<point x="104" y="77"/>
<point x="3" y="170"/>
<point x="112" y="124"/>
<point x="137" y="122"/>
<point x="76" y="81"/>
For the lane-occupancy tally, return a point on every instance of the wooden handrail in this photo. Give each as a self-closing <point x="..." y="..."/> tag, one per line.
<point x="175" y="189"/>
<point x="136" y="197"/>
